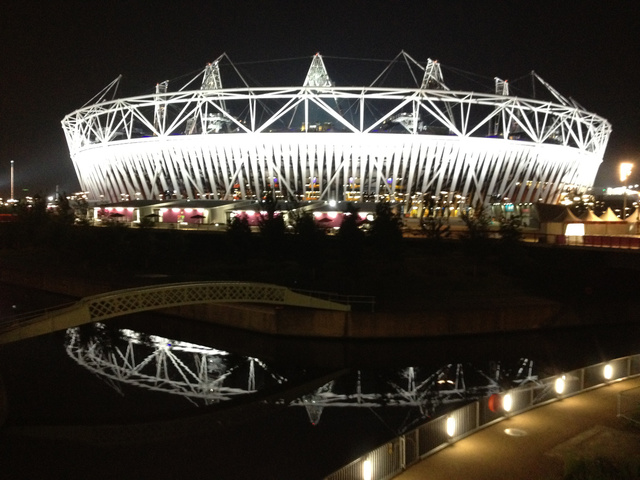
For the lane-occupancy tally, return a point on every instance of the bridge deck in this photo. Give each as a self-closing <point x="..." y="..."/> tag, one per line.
<point x="547" y="440"/>
<point x="122" y="302"/>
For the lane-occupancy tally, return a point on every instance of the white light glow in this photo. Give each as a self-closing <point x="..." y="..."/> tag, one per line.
<point x="625" y="170"/>
<point x="367" y="470"/>
<point x="607" y="372"/>
<point x="507" y="402"/>
<point x="451" y="426"/>
<point x="574" y="230"/>
<point x="563" y="144"/>
<point x="560" y="384"/>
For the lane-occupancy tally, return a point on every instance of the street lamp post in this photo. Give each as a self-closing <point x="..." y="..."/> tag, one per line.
<point x="12" y="180"/>
<point x="625" y="172"/>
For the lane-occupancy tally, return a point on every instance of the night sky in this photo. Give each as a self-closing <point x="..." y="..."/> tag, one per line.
<point x="57" y="55"/>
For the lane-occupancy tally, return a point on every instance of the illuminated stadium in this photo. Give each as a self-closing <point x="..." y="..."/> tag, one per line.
<point x="218" y="137"/>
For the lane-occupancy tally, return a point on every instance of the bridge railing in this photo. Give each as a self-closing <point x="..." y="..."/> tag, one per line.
<point x="24" y="318"/>
<point x="133" y="300"/>
<point x="629" y="405"/>
<point x="393" y="457"/>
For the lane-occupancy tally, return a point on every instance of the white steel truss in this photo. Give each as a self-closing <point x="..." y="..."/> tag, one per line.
<point x="326" y="142"/>
<point x="207" y="375"/>
<point x="196" y="372"/>
<point x="405" y="388"/>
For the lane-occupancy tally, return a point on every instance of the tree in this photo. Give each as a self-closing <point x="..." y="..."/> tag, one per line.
<point x="271" y="224"/>
<point x="477" y="235"/>
<point x="510" y="229"/>
<point x="351" y="238"/>
<point x="81" y="210"/>
<point x="146" y="222"/>
<point x="435" y="228"/>
<point x="309" y="240"/>
<point x="477" y="222"/>
<point x="239" y="234"/>
<point x="386" y="229"/>
<point x="64" y="212"/>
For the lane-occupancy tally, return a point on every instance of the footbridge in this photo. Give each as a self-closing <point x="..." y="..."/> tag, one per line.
<point x="134" y="300"/>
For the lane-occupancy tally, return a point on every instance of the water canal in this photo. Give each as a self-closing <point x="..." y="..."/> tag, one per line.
<point x="153" y="396"/>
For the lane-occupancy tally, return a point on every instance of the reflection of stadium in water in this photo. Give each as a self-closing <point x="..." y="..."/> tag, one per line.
<point x="196" y="372"/>
<point x="206" y="375"/>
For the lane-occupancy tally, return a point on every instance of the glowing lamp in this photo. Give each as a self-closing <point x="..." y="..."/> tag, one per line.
<point x="497" y="402"/>
<point x="607" y="372"/>
<point x="507" y="402"/>
<point x="367" y="470"/>
<point x="560" y="384"/>
<point x="574" y="230"/>
<point x="451" y="426"/>
<point x="625" y="170"/>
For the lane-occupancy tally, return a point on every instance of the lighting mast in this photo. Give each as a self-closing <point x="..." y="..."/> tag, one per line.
<point x="625" y="172"/>
<point x="12" y="180"/>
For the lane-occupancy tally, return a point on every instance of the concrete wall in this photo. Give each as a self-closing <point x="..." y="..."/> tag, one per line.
<point x="491" y="317"/>
<point x="483" y="317"/>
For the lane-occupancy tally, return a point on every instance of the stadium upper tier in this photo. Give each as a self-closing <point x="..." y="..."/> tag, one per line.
<point x="327" y="142"/>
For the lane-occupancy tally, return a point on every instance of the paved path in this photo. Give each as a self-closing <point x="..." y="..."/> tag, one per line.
<point x="586" y="424"/>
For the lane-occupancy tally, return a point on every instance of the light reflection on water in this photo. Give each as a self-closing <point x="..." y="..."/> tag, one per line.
<point x="206" y="375"/>
<point x="45" y="387"/>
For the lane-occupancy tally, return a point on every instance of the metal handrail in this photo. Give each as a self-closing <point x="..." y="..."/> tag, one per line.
<point x="24" y="317"/>
<point x="429" y="438"/>
<point x="133" y="300"/>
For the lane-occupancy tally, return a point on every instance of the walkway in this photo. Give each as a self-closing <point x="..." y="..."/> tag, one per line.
<point x="133" y="300"/>
<point x="582" y="425"/>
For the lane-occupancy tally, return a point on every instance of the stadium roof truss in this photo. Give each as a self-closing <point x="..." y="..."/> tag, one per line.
<point x="327" y="142"/>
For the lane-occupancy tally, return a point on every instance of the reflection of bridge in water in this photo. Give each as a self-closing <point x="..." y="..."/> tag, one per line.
<point x="205" y="375"/>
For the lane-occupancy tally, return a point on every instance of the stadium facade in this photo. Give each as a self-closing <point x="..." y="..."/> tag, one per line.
<point x="320" y="141"/>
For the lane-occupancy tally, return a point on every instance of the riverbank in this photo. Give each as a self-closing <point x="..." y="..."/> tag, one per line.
<point x="425" y="290"/>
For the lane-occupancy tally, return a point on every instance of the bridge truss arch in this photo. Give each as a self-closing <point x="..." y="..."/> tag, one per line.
<point x="104" y="306"/>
